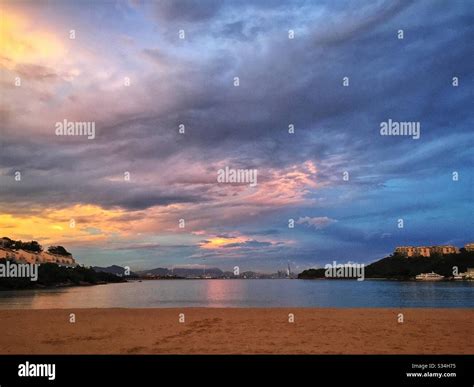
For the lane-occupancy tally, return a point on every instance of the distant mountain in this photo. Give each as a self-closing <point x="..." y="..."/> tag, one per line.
<point x="160" y="271"/>
<point x="184" y="272"/>
<point x="114" y="269"/>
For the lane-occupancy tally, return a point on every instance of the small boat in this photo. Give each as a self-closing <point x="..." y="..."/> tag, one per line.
<point x="429" y="277"/>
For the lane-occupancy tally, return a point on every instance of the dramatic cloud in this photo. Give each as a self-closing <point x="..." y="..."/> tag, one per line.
<point x="128" y="71"/>
<point x="316" y="222"/>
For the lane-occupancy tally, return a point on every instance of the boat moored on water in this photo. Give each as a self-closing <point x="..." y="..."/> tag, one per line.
<point x="429" y="277"/>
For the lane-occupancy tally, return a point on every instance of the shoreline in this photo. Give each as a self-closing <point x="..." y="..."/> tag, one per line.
<point x="86" y="284"/>
<point x="237" y="331"/>
<point x="58" y="286"/>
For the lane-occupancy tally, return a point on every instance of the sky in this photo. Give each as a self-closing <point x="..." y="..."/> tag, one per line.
<point x="144" y="194"/>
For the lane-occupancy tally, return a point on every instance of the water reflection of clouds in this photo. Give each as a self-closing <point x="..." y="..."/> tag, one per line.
<point x="223" y="293"/>
<point x="246" y="293"/>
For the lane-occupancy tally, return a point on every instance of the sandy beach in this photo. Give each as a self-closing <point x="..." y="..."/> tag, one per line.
<point x="237" y="331"/>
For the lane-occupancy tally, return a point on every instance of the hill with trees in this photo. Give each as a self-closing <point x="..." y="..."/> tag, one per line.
<point x="53" y="275"/>
<point x="403" y="268"/>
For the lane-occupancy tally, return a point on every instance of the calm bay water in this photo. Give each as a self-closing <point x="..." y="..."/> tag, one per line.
<point x="247" y="293"/>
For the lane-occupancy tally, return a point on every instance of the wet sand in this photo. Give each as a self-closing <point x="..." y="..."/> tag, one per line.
<point x="237" y="331"/>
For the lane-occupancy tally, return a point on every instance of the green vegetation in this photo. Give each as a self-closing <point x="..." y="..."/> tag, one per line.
<point x="32" y="246"/>
<point x="403" y="268"/>
<point x="8" y="242"/>
<point x="312" y="274"/>
<point x="59" y="250"/>
<point x="52" y="275"/>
